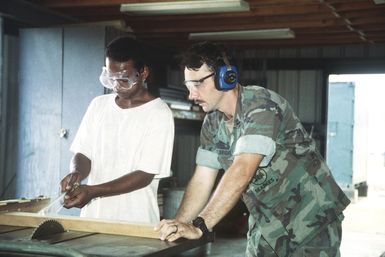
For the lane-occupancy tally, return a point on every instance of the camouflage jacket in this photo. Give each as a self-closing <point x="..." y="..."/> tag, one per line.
<point x="293" y="193"/>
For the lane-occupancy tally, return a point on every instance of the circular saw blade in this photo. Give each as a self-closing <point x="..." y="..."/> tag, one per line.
<point x="47" y="228"/>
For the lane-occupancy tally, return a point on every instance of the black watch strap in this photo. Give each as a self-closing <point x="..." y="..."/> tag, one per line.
<point x="199" y="222"/>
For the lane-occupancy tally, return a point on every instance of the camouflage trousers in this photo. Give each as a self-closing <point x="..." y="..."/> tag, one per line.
<point x="324" y="244"/>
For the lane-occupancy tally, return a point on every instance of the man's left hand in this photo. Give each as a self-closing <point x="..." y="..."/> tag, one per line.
<point x="78" y="197"/>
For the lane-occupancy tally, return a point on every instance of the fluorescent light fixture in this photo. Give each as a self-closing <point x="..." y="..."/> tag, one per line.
<point x="244" y="34"/>
<point x="379" y="1"/>
<point x="186" y="7"/>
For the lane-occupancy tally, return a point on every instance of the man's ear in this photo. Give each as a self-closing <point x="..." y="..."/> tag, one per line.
<point x="144" y="73"/>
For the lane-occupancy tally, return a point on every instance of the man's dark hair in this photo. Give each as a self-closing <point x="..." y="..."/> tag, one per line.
<point x="204" y="52"/>
<point x="123" y="49"/>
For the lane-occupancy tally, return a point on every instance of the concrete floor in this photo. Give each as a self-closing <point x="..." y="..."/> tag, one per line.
<point x="363" y="233"/>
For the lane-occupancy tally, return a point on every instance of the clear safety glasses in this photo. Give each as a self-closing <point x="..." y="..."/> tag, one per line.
<point x="112" y="80"/>
<point x="196" y="83"/>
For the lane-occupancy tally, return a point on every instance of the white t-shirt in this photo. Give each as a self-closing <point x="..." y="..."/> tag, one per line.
<point x="119" y="141"/>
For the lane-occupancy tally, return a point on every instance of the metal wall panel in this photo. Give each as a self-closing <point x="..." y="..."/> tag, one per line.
<point x="303" y="90"/>
<point x="40" y="91"/>
<point x="59" y="71"/>
<point x="272" y="80"/>
<point x="331" y="51"/>
<point x="355" y="51"/>
<point x="287" y="53"/>
<point x="309" y="52"/>
<point x="288" y="83"/>
<point x="340" y="132"/>
<point x="3" y="111"/>
<point x="10" y="68"/>
<point x="309" y="98"/>
<point x="376" y="50"/>
<point x="186" y="144"/>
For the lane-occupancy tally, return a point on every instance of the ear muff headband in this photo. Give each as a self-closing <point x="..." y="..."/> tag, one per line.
<point x="227" y="75"/>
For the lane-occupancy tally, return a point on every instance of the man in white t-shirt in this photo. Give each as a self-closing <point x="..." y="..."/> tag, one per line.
<point x="123" y="145"/>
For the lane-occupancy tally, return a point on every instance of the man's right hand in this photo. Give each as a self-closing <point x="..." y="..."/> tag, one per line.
<point x="68" y="181"/>
<point x="171" y="230"/>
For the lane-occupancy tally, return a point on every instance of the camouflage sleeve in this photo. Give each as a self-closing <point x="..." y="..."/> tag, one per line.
<point x="206" y="154"/>
<point x="260" y="126"/>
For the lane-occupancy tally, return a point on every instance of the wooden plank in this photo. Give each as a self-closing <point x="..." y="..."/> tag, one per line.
<point x="80" y="224"/>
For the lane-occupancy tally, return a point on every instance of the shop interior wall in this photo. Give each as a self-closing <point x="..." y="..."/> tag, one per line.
<point x="299" y="74"/>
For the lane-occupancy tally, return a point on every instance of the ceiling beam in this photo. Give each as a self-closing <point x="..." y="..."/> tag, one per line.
<point x="260" y="11"/>
<point x="316" y="21"/>
<point x="364" y="13"/>
<point x="277" y="2"/>
<point x="86" y="3"/>
<point x="347" y="6"/>
<point x="30" y="14"/>
<point x="313" y="21"/>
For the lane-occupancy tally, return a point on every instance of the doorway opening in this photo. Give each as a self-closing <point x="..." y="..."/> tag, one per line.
<point x="355" y="147"/>
<point x="355" y="152"/>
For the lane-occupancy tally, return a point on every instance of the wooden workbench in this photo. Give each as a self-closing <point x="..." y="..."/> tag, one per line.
<point x="97" y="239"/>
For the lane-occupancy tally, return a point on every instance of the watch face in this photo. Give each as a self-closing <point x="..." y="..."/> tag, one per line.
<point x="199" y="222"/>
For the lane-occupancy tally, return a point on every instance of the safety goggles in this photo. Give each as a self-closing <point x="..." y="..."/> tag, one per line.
<point x="111" y="80"/>
<point x="196" y="83"/>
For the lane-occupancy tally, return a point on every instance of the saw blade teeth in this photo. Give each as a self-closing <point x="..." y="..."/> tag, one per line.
<point x="47" y="228"/>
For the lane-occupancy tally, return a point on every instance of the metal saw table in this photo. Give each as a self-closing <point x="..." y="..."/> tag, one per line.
<point x="85" y="237"/>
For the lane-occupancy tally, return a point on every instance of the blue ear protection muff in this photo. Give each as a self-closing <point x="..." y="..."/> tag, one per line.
<point x="227" y="75"/>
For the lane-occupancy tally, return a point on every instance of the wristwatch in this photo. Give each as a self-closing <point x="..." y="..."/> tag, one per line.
<point x="199" y="222"/>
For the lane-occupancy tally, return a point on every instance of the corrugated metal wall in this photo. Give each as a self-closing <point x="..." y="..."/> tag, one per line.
<point x="185" y="145"/>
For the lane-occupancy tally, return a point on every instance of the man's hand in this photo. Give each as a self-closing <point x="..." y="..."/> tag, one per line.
<point x="171" y="230"/>
<point x="78" y="197"/>
<point x="68" y="182"/>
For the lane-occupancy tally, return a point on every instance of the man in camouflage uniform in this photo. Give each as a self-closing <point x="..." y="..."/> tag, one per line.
<point x="269" y="160"/>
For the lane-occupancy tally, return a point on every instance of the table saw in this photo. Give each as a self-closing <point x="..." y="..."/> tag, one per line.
<point x="32" y="234"/>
